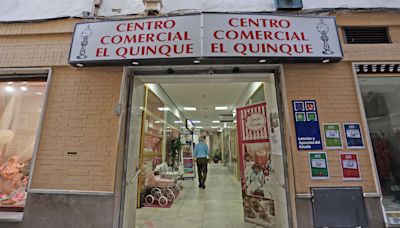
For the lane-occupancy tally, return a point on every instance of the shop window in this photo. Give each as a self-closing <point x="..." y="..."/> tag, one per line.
<point x="381" y="96"/>
<point x="20" y="109"/>
<point x="366" y="35"/>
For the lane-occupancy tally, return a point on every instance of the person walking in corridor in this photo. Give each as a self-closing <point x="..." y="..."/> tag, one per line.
<point x="201" y="154"/>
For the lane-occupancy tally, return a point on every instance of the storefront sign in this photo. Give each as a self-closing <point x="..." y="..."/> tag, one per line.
<point x="333" y="138"/>
<point x="318" y="165"/>
<point x="206" y="35"/>
<point x="255" y="164"/>
<point x="353" y="135"/>
<point x="350" y="167"/>
<point x="308" y="133"/>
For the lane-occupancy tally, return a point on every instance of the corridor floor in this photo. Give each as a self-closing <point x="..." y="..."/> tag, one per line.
<point x="219" y="205"/>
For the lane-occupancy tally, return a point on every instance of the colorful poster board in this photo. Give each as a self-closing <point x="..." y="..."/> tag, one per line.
<point x="350" y="166"/>
<point x="319" y="165"/>
<point x="353" y="135"/>
<point x="187" y="155"/>
<point x="255" y="164"/>
<point x="308" y="134"/>
<point x="332" y="135"/>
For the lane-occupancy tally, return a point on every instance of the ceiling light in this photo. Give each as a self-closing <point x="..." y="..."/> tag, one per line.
<point x="326" y="61"/>
<point x="189" y="108"/>
<point x="163" y="109"/>
<point x="196" y="121"/>
<point x="135" y="63"/>
<point x="215" y="121"/>
<point x="198" y="127"/>
<point x="262" y="61"/>
<point x="221" y="108"/>
<point x="235" y="121"/>
<point x="9" y="89"/>
<point x="196" y="61"/>
<point x="214" y="127"/>
<point x="178" y="121"/>
<point x="39" y="93"/>
<point x="157" y="121"/>
<point x="23" y="88"/>
<point x="79" y="65"/>
<point x="10" y="83"/>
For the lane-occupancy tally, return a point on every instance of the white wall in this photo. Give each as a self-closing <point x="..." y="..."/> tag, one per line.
<point x="22" y="10"/>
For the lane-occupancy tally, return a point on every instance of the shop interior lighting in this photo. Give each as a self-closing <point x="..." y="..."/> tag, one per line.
<point x="157" y="121"/>
<point x="221" y="108"/>
<point x="196" y="61"/>
<point x="215" y="121"/>
<point x="198" y="127"/>
<point x="189" y="108"/>
<point x="10" y="83"/>
<point x="235" y="121"/>
<point x="135" y="63"/>
<point x="9" y="89"/>
<point x="79" y="65"/>
<point x="178" y="121"/>
<point x="262" y="61"/>
<point x="23" y="88"/>
<point x="214" y="127"/>
<point x="39" y="93"/>
<point x="162" y="109"/>
<point x="196" y="121"/>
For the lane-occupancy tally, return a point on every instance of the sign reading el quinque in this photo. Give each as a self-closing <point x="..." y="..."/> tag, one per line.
<point x="206" y="35"/>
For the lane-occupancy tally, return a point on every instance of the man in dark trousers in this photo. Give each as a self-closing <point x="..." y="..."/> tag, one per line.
<point x="201" y="154"/>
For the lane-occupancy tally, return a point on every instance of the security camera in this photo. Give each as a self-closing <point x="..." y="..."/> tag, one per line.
<point x="210" y="70"/>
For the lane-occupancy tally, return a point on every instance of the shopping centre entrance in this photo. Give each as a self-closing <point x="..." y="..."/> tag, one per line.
<point x="170" y="109"/>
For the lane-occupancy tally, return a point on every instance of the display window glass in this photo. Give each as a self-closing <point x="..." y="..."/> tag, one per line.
<point x="381" y="98"/>
<point x="20" y="109"/>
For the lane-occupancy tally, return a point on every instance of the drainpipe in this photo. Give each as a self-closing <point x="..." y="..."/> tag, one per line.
<point x="152" y="7"/>
<point x="289" y="4"/>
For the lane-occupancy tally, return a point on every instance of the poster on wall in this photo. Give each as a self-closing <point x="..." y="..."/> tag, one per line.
<point x="318" y="165"/>
<point x="350" y="167"/>
<point x="353" y="135"/>
<point x="255" y="164"/>
<point x="308" y="134"/>
<point x="332" y="135"/>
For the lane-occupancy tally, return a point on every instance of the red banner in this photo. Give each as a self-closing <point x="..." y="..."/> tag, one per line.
<point x="255" y="164"/>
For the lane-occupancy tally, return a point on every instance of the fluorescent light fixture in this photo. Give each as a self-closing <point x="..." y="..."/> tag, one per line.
<point x="196" y="121"/>
<point x="198" y="127"/>
<point x="189" y="108"/>
<point x="235" y="121"/>
<point x="23" y="88"/>
<point x="163" y="109"/>
<point x="39" y="93"/>
<point x="214" y="127"/>
<point x="10" y="83"/>
<point x="157" y="121"/>
<point x="262" y="61"/>
<point x="135" y="63"/>
<point x="215" y="121"/>
<point x="178" y="121"/>
<point x="79" y="65"/>
<point x="196" y="61"/>
<point x="221" y="108"/>
<point x="9" y="89"/>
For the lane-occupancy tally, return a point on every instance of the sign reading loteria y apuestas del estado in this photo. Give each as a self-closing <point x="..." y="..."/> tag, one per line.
<point x="207" y="35"/>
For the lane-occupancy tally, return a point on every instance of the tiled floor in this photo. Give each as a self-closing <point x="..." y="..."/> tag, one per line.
<point x="219" y="205"/>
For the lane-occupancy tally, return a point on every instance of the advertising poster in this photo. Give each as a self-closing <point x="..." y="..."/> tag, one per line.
<point x="350" y="167"/>
<point x="353" y="135"/>
<point x="255" y="164"/>
<point x="318" y="165"/>
<point x="308" y="134"/>
<point x="333" y="138"/>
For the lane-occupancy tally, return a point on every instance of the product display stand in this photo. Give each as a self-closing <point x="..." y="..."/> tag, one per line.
<point x="188" y="160"/>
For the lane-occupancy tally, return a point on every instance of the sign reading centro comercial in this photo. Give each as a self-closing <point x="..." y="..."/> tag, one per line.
<point x="206" y="35"/>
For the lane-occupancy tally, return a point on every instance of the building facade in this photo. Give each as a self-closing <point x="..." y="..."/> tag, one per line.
<point x="78" y="163"/>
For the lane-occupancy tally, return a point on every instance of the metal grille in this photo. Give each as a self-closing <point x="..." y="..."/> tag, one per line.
<point x="366" y="35"/>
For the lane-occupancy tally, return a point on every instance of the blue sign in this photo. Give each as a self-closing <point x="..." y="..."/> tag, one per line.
<point x="308" y="134"/>
<point x="353" y="135"/>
